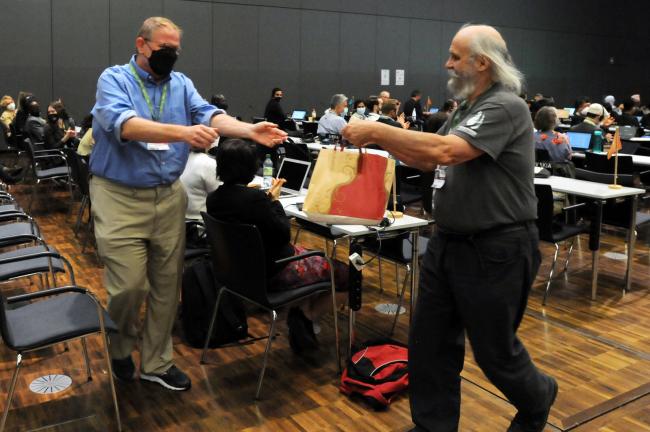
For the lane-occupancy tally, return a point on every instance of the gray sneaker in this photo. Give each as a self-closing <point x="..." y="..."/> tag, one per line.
<point x="173" y="379"/>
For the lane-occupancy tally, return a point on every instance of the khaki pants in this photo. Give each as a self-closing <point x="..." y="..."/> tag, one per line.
<point x="141" y="238"/>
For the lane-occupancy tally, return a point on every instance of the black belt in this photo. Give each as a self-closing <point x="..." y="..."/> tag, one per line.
<point x="490" y="232"/>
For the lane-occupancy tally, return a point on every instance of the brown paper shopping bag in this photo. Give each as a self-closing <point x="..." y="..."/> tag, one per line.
<point x="349" y="187"/>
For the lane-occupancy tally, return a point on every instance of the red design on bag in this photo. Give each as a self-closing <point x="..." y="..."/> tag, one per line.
<point x="364" y="197"/>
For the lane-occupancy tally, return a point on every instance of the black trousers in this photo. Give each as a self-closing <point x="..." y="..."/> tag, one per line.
<point x="478" y="286"/>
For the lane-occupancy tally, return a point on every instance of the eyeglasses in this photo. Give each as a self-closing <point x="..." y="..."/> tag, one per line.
<point x="165" y="46"/>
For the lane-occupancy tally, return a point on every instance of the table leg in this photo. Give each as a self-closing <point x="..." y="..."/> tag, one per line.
<point x="415" y="237"/>
<point x="630" y="244"/>
<point x="355" y="279"/>
<point x="594" y="244"/>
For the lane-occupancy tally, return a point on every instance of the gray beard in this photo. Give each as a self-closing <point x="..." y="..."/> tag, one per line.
<point x="460" y="87"/>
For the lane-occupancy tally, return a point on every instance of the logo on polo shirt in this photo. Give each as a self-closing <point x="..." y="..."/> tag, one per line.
<point x="472" y="124"/>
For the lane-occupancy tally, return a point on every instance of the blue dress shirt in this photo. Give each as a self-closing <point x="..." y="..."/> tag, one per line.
<point x="119" y="98"/>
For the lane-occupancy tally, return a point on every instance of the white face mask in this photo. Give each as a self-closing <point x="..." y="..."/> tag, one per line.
<point x="11" y="106"/>
<point x="361" y="111"/>
<point x="345" y="111"/>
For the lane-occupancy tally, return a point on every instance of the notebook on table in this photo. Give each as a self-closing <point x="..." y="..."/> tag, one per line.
<point x="579" y="141"/>
<point x="295" y="172"/>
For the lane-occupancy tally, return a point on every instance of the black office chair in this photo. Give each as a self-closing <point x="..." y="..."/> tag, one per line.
<point x="17" y="228"/>
<point x="239" y="264"/>
<point x="43" y="169"/>
<point x="617" y="212"/>
<point x="64" y="314"/>
<point x="542" y="157"/>
<point x="598" y="162"/>
<point x="41" y="260"/>
<point x="552" y="230"/>
<point x="397" y="249"/>
<point x="258" y="119"/>
<point x="196" y="240"/>
<point x="409" y="185"/>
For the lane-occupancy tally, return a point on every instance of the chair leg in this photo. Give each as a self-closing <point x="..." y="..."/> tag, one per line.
<point x="274" y="317"/>
<point x="86" y="359"/>
<point x="396" y="278"/>
<point x="568" y="256"/>
<point x="33" y="197"/>
<point x="77" y="224"/>
<point x="69" y="181"/>
<point x="111" y="380"/>
<point x="381" y="279"/>
<point x="334" y="244"/>
<point x="295" y="239"/>
<point x="550" y="276"/>
<point x="12" y="389"/>
<point x="211" y="326"/>
<point x="401" y="299"/>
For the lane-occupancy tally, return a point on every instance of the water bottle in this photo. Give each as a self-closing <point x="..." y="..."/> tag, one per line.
<point x="598" y="141"/>
<point x="267" y="172"/>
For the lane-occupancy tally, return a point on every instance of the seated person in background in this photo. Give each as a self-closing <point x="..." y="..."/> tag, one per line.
<point x="332" y="121"/>
<point x="219" y="101"/>
<point x="273" y="111"/>
<point x="58" y="132"/>
<point x="87" y="141"/>
<point x="595" y="115"/>
<point x="581" y="105"/>
<point x="435" y="121"/>
<point x="235" y="202"/>
<point x="34" y="124"/>
<point x="373" y="105"/>
<point x="389" y="115"/>
<point x="199" y="179"/>
<point x="18" y="125"/>
<point x="359" y="110"/>
<point x="556" y="144"/>
<point x="8" y="108"/>
<point x="628" y="116"/>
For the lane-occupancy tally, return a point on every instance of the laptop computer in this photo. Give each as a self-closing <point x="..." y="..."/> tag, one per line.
<point x="295" y="172"/>
<point x="298" y="115"/>
<point x="570" y="110"/>
<point x="563" y="114"/>
<point x="627" y="132"/>
<point x="579" y="141"/>
<point x="433" y="110"/>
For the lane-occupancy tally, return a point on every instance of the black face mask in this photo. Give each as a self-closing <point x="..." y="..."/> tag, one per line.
<point x="52" y="118"/>
<point x="34" y="110"/>
<point x="278" y="98"/>
<point x="162" y="61"/>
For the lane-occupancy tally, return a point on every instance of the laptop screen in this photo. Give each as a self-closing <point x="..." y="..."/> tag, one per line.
<point x="570" y="110"/>
<point x="294" y="171"/>
<point x="433" y="110"/>
<point x="579" y="140"/>
<point x="627" y="132"/>
<point x="298" y="115"/>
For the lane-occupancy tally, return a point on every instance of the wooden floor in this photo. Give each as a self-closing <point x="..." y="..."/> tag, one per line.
<point x="599" y="351"/>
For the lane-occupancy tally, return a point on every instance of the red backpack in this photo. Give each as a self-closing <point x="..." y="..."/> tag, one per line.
<point x="378" y="373"/>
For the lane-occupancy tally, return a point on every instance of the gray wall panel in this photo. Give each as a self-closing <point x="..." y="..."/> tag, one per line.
<point x="26" y="62"/>
<point x="314" y="48"/>
<point x="80" y="47"/>
<point x="126" y="17"/>
<point x="319" y="58"/>
<point x="235" y="56"/>
<point x="195" y="61"/>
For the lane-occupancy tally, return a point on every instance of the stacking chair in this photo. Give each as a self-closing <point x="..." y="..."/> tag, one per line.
<point x="41" y="174"/>
<point x="18" y="228"/>
<point x="62" y="314"/>
<point x="240" y="265"/>
<point x="398" y="250"/>
<point x="34" y="260"/>
<point x="552" y="230"/>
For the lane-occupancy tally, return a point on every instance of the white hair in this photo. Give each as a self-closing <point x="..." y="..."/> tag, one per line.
<point x="503" y="68"/>
<point x="337" y="99"/>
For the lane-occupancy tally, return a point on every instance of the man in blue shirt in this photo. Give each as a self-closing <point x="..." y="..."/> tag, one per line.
<point x="146" y="118"/>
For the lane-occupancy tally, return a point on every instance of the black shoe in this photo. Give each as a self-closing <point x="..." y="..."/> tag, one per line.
<point x="173" y="379"/>
<point x="534" y="422"/>
<point x="301" y="331"/>
<point x="123" y="369"/>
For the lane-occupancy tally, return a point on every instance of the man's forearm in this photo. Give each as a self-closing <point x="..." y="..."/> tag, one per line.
<point x="231" y="127"/>
<point x="416" y="149"/>
<point x="139" y="129"/>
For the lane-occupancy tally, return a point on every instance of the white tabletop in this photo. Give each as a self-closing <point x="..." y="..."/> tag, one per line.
<point x="636" y="159"/>
<point x="403" y="223"/>
<point x="641" y="139"/>
<point x="586" y="188"/>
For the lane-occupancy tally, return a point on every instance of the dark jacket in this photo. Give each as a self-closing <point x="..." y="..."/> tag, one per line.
<point x="389" y="121"/>
<point x="241" y="204"/>
<point x="35" y="129"/>
<point x="274" y="112"/>
<point x="53" y="135"/>
<point x="630" y="120"/>
<point x="409" y="105"/>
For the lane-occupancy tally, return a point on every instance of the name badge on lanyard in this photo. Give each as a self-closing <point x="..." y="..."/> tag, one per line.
<point x="156" y="114"/>
<point x="157" y="146"/>
<point x="440" y="177"/>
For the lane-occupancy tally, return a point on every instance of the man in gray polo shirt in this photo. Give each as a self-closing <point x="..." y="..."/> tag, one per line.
<point x="483" y="257"/>
<point x="332" y="122"/>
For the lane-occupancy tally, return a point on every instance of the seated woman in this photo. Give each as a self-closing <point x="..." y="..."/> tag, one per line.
<point x="234" y="201"/>
<point x="547" y="139"/>
<point x="60" y="128"/>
